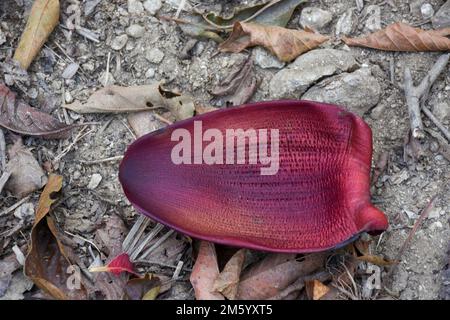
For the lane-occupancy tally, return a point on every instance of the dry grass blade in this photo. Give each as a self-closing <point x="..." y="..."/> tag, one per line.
<point x="286" y="44"/>
<point x="44" y="17"/>
<point x="402" y="37"/>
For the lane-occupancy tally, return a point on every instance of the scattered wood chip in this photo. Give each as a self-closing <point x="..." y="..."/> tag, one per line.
<point x="286" y="44"/>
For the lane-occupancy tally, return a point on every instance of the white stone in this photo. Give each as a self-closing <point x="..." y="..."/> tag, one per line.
<point x="135" y="31"/>
<point x="154" y="55"/>
<point x="427" y="11"/>
<point x="135" y="6"/>
<point x="119" y="42"/>
<point x="152" y="6"/>
<point x="95" y="181"/>
<point x="150" y="73"/>
<point x="315" y="18"/>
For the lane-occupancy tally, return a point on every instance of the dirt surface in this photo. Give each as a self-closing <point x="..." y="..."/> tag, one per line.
<point x="402" y="191"/>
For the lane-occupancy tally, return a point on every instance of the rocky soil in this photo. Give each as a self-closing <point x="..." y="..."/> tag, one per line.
<point x="140" y="48"/>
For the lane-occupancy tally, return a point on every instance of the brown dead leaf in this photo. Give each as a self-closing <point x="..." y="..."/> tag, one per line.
<point x="402" y="37"/>
<point x="47" y="264"/>
<point x="205" y="272"/>
<point x="276" y="272"/>
<point x="17" y="116"/>
<point x="44" y="17"/>
<point x="228" y="280"/>
<point x="26" y="173"/>
<point x="117" y="99"/>
<point x="286" y="44"/>
<point x="316" y="289"/>
<point x="144" y="288"/>
<point x="239" y="86"/>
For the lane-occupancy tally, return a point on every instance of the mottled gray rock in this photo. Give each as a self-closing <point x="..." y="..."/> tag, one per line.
<point x="357" y="91"/>
<point x="345" y="23"/>
<point x="266" y="60"/>
<point x="373" y="21"/>
<point x="152" y="6"/>
<point x="135" y="6"/>
<point x="119" y="42"/>
<point x="442" y="110"/>
<point x="135" y="31"/>
<point x="2" y="37"/>
<point x="296" y="78"/>
<point x="442" y="17"/>
<point x="315" y="18"/>
<point x="154" y="55"/>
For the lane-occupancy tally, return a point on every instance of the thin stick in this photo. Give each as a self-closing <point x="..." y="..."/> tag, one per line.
<point x="436" y="122"/>
<point x="180" y="7"/>
<point x="4" y="179"/>
<point x="14" y="206"/>
<point x="84" y="239"/>
<point x="115" y="158"/>
<point x="161" y="264"/>
<point x="425" y="213"/>
<point x="107" y="69"/>
<point x="157" y="244"/>
<point x="131" y="234"/>
<point x="415" y="94"/>
<point x="2" y="151"/>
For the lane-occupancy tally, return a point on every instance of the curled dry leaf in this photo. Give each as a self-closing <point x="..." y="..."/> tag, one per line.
<point x="17" y="116"/>
<point x="47" y="263"/>
<point x="239" y="86"/>
<point x="26" y="173"/>
<point x="228" y="280"/>
<point x="142" y="288"/>
<point x="273" y="12"/>
<point x="286" y="44"/>
<point x="275" y="273"/>
<point x="205" y="272"/>
<point x="117" y="99"/>
<point x="402" y="37"/>
<point x="44" y="17"/>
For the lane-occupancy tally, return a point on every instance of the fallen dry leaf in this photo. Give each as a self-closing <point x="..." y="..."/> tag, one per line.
<point x="276" y="272"/>
<point x="26" y="174"/>
<point x="205" y="272"/>
<point x="377" y="260"/>
<point x="142" y="288"/>
<point x="286" y="44"/>
<point x="47" y="264"/>
<point x="402" y="37"/>
<point x="228" y="280"/>
<point x="117" y="99"/>
<point x="17" y="116"/>
<point x="316" y="289"/>
<point x="44" y="17"/>
<point x="239" y="86"/>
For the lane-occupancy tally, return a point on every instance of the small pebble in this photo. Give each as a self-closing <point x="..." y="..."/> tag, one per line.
<point x="314" y="18"/>
<point x="154" y="55"/>
<point x="152" y="6"/>
<point x="135" y="31"/>
<point x="68" y="97"/>
<point x="32" y="93"/>
<point x="70" y="70"/>
<point x="266" y="60"/>
<point x="119" y="42"/>
<point x="150" y="73"/>
<point x="25" y="211"/>
<point x="427" y="11"/>
<point x="95" y="181"/>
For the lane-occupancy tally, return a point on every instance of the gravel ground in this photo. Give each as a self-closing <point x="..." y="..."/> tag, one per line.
<point x="142" y="49"/>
